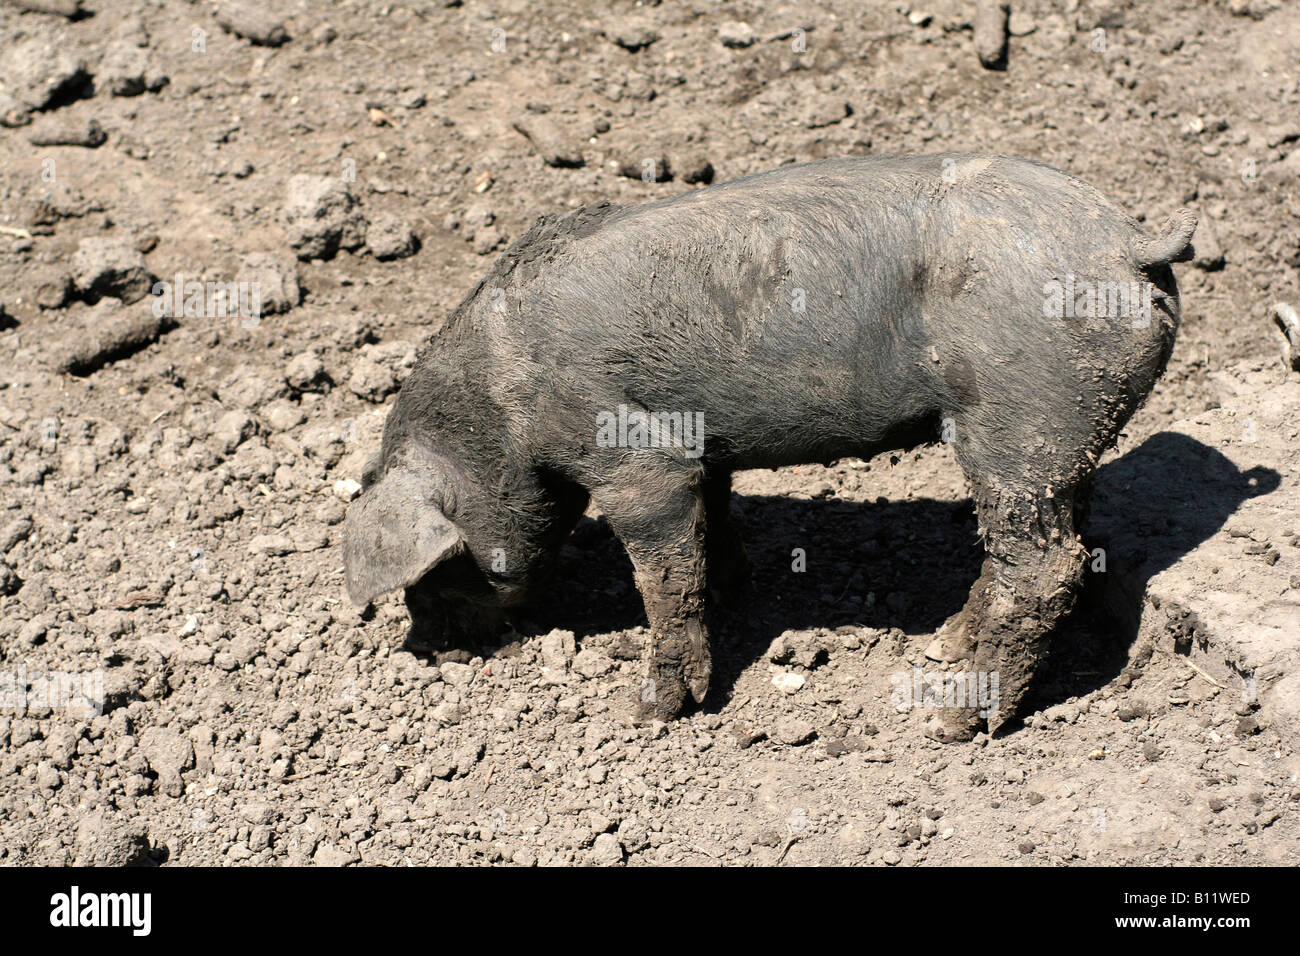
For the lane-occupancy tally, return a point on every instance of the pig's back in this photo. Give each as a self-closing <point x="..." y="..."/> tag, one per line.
<point x="804" y="295"/>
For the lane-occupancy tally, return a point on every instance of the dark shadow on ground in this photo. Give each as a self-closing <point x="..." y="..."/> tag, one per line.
<point x="1150" y="508"/>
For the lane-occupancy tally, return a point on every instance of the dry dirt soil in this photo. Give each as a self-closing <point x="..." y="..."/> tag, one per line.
<point x="171" y="490"/>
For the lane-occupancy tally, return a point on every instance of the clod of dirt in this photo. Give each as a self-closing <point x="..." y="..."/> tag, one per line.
<point x="1209" y="248"/>
<point x="58" y="201"/>
<point x="692" y="166"/>
<point x="390" y="237"/>
<point x="274" y="279"/>
<point x="248" y="387"/>
<point x="304" y="372"/>
<point x="631" y="33"/>
<point x="61" y="131"/>
<point x="1286" y="173"/>
<point x="819" y="110"/>
<point x="558" y="652"/>
<point x="606" y="850"/>
<point x="169" y="755"/>
<point x="15" y="532"/>
<point x="550" y="140"/>
<point x="41" y="72"/>
<point x="110" y="267"/>
<point x="1288" y="323"/>
<point x="106" y="332"/>
<point x="793" y="732"/>
<point x="127" y="68"/>
<point x="991" y="33"/>
<point x="104" y="840"/>
<point x="380" y="370"/>
<point x="229" y="431"/>
<point x="321" y="217"/>
<point x="63" y="8"/>
<point x="736" y="35"/>
<point x="252" y="23"/>
<point x="650" y="167"/>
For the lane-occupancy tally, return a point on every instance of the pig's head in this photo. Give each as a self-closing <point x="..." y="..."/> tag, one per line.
<point x="459" y="523"/>
<point x="419" y="526"/>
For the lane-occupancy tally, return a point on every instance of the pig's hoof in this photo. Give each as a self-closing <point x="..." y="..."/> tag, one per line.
<point x="954" y="725"/>
<point x="678" y="665"/>
<point x="661" y="697"/>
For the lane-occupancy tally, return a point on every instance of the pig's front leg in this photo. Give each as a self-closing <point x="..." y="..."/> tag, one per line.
<point x="658" y="514"/>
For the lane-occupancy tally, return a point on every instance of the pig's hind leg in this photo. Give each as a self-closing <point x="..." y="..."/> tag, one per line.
<point x="659" y="515"/>
<point x="1032" y="570"/>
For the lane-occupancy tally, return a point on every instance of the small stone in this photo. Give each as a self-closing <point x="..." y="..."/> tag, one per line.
<point x="103" y="267"/>
<point x="736" y="35"/>
<point x="607" y="851"/>
<point x="631" y="33"/>
<point x="272" y="281"/>
<point x="558" y="650"/>
<point x="794" y="732"/>
<point x="347" y="488"/>
<point x="61" y="131"/>
<point x="252" y="22"/>
<point x="390" y="237"/>
<point x="321" y="217"/>
<point x="788" y="682"/>
<point x="304" y="371"/>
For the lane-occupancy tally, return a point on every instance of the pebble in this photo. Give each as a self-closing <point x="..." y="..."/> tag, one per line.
<point x="273" y="281"/>
<point x="321" y="216"/>
<point x="631" y="33"/>
<point x="105" y="267"/>
<point x="794" y="732"/>
<point x="551" y="141"/>
<point x="252" y="22"/>
<point x="61" y="131"/>
<point x="736" y="35"/>
<point x="390" y="237"/>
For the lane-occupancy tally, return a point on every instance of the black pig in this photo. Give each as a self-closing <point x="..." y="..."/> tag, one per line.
<point x="834" y="309"/>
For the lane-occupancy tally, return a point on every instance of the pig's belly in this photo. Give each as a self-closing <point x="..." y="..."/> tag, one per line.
<point x="791" y="399"/>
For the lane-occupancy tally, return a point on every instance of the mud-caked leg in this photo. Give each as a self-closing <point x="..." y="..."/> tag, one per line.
<point x="727" y="563"/>
<point x="1032" y="571"/>
<point x="660" y="519"/>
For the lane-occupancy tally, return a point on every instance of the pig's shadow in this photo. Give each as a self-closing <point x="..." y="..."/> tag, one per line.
<point x="1150" y="508"/>
<point x="910" y="565"/>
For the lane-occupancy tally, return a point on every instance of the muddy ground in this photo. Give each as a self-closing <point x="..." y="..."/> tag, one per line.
<point x="171" y="490"/>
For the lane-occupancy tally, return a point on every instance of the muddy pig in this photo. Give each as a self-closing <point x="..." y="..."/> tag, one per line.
<point x="634" y="357"/>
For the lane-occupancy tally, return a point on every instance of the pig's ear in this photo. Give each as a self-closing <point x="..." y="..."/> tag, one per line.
<point x="394" y="536"/>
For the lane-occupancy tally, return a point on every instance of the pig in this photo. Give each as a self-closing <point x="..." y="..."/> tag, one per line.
<point x="632" y="358"/>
